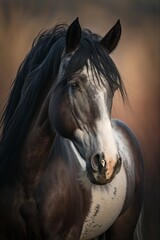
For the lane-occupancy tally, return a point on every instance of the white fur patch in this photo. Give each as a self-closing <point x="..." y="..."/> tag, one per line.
<point x="107" y="203"/>
<point x="108" y="200"/>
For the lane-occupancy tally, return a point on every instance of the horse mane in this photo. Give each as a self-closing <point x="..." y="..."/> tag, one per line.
<point x="39" y="67"/>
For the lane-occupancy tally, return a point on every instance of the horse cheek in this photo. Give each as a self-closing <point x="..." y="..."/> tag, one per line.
<point x="61" y="117"/>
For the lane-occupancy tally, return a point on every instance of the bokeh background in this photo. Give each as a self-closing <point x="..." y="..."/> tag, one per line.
<point x="137" y="58"/>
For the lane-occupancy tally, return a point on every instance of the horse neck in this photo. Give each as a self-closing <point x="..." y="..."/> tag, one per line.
<point x="36" y="150"/>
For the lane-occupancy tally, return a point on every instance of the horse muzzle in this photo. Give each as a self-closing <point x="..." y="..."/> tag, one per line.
<point x="100" y="171"/>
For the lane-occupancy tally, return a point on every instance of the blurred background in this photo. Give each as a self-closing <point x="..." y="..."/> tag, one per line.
<point x="137" y="58"/>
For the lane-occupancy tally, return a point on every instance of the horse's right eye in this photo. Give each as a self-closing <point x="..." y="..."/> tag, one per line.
<point x="75" y="85"/>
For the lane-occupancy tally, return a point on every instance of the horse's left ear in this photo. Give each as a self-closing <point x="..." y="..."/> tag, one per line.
<point x="111" y="39"/>
<point x="73" y="36"/>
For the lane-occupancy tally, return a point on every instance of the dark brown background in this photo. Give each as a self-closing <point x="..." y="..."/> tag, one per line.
<point x="137" y="58"/>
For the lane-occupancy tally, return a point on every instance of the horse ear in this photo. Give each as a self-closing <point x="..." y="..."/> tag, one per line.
<point x="111" y="39"/>
<point x="73" y="36"/>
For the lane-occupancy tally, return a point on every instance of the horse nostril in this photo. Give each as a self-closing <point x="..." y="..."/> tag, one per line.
<point x="98" y="161"/>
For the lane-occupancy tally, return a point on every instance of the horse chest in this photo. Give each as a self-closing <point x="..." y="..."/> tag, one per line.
<point x="107" y="203"/>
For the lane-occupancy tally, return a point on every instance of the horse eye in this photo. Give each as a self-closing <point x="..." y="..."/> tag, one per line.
<point x="75" y="85"/>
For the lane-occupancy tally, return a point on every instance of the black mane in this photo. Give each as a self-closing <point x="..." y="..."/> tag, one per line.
<point x="39" y="67"/>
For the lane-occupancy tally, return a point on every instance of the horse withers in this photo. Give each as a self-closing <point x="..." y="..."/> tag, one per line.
<point x="67" y="169"/>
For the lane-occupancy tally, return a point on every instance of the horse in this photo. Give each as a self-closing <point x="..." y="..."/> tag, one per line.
<point x="67" y="169"/>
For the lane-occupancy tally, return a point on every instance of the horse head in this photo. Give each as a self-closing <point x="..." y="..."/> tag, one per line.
<point x="81" y="101"/>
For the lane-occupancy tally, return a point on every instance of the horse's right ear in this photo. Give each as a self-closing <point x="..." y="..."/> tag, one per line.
<point x="73" y="36"/>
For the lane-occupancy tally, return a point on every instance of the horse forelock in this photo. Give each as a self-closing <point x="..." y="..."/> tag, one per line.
<point x="93" y="56"/>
